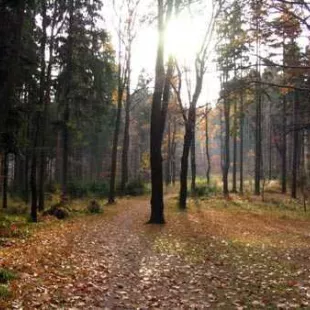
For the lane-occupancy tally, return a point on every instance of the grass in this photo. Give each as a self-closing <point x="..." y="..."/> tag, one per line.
<point x="4" y="292"/>
<point x="6" y="276"/>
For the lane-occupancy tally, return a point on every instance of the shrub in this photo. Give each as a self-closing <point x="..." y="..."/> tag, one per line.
<point x="135" y="188"/>
<point x="94" y="207"/>
<point x="205" y="190"/>
<point x="77" y="189"/>
<point x="99" y="189"/>
<point x="58" y="210"/>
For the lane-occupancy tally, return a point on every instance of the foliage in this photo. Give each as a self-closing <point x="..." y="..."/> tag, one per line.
<point x="59" y="210"/>
<point x="4" y="291"/>
<point x="98" y="189"/>
<point x="77" y="189"/>
<point x="6" y="275"/>
<point x="204" y="190"/>
<point x="135" y="188"/>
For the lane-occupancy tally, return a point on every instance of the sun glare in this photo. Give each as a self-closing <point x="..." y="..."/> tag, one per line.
<point x="181" y="39"/>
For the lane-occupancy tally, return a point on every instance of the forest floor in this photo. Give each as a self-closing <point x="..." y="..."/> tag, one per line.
<point x="221" y="254"/>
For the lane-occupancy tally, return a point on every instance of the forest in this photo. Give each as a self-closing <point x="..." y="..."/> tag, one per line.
<point x="190" y="113"/>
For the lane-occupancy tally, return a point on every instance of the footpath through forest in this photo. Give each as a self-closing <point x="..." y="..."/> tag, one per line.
<point x="210" y="258"/>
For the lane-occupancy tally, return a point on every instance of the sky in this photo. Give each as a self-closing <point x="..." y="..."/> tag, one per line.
<point x="183" y="39"/>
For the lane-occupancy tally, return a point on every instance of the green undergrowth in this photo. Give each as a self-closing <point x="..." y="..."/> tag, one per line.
<point x="6" y="276"/>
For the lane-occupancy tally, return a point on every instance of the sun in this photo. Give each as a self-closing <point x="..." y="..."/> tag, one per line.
<point x="182" y="39"/>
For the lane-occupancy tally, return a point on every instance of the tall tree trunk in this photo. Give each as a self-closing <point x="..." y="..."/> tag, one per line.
<point x="258" y="142"/>
<point x="65" y="152"/>
<point x="207" y="144"/>
<point x="184" y="164"/>
<point x="33" y="186"/>
<point x="168" y="160"/>
<point x="115" y="139"/>
<point x="258" y="116"/>
<point x="26" y="177"/>
<point x="158" y="118"/>
<point x="173" y="152"/>
<point x="42" y="103"/>
<point x="295" y="145"/>
<point x="124" y="177"/>
<point x="234" y="172"/>
<point x="66" y="114"/>
<point x="241" y="143"/>
<point x="270" y="144"/>
<point x="193" y="156"/>
<point x="284" y="147"/>
<point x="226" y="161"/>
<point x="5" y="167"/>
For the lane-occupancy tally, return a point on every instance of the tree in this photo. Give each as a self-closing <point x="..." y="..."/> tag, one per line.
<point x="158" y="115"/>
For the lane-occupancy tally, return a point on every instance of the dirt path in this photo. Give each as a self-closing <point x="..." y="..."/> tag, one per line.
<point x="113" y="261"/>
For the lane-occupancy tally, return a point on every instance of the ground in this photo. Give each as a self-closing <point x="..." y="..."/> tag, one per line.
<point x="221" y="254"/>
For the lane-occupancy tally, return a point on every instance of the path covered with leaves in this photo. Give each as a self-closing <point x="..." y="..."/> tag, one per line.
<point x="210" y="257"/>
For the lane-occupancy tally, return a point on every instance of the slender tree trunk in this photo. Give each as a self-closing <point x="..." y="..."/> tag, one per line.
<point x="65" y="152"/>
<point x="168" y="160"/>
<point x="258" y="121"/>
<point x="5" y="167"/>
<point x="184" y="165"/>
<point x="241" y="143"/>
<point x="207" y="144"/>
<point x="270" y="145"/>
<point x="173" y="152"/>
<point x="42" y="103"/>
<point x="295" y="146"/>
<point x="124" y="177"/>
<point x="284" y="147"/>
<point x="258" y="142"/>
<point x="66" y="114"/>
<point x="33" y="186"/>
<point x="226" y="154"/>
<point x="234" y="183"/>
<point x="193" y="156"/>
<point x="115" y="139"/>
<point x="26" y="177"/>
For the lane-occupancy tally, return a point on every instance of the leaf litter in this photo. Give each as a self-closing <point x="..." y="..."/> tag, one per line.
<point x="205" y="259"/>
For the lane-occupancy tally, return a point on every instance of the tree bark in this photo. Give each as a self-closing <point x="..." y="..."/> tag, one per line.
<point x="66" y="114"/>
<point x="295" y="146"/>
<point x="193" y="157"/>
<point x="207" y="144"/>
<point x="158" y="118"/>
<point x="226" y="161"/>
<point x="124" y="176"/>
<point x="241" y="143"/>
<point x="43" y="116"/>
<point x="234" y="183"/>
<point x="168" y="160"/>
<point x="258" y="142"/>
<point x="111" y="199"/>
<point x="5" y="181"/>
<point x="173" y="152"/>
<point x="184" y="165"/>
<point x="284" y="147"/>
